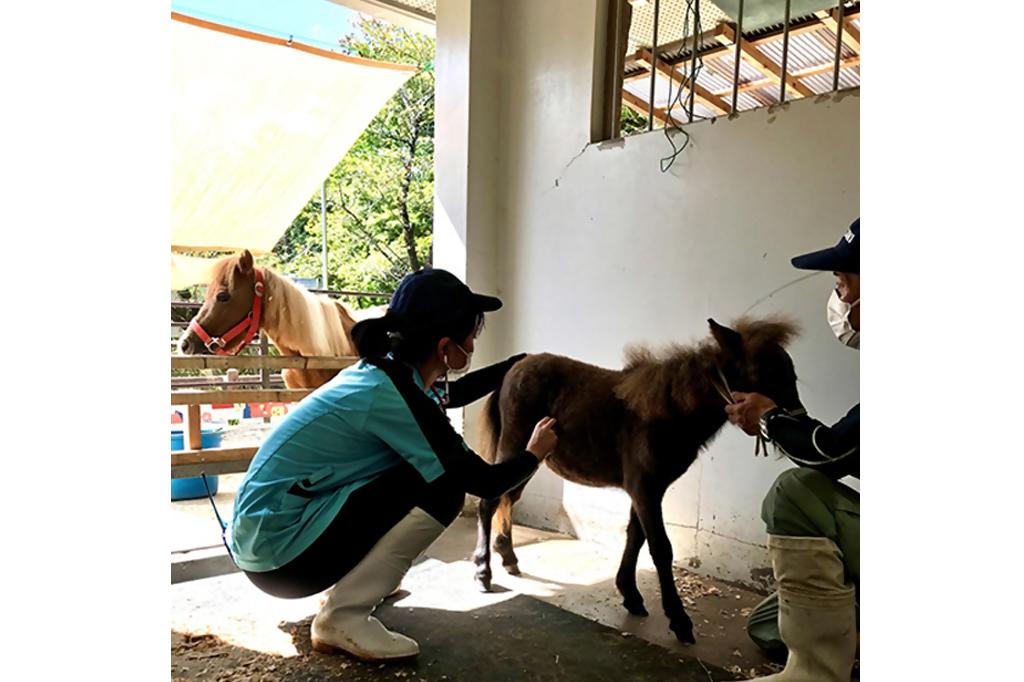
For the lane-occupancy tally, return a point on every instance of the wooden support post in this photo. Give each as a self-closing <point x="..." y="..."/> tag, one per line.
<point x="193" y="428"/>
<point x="264" y="347"/>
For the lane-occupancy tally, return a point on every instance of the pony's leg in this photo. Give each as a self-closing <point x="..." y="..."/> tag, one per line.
<point x="647" y="502"/>
<point x="482" y="555"/>
<point x="503" y="537"/>
<point x="515" y="434"/>
<point x="625" y="580"/>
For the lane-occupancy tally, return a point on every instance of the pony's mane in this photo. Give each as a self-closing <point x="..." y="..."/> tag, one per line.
<point x="653" y="381"/>
<point x="776" y="329"/>
<point x="308" y="323"/>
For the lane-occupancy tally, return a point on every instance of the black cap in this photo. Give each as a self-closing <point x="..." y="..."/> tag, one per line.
<point x="843" y="257"/>
<point x="432" y="296"/>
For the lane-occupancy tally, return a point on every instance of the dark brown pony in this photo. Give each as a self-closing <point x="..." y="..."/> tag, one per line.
<point x="639" y="429"/>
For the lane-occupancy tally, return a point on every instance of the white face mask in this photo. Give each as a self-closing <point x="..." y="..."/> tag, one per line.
<point x="464" y="368"/>
<point x="457" y="372"/>
<point x="839" y="320"/>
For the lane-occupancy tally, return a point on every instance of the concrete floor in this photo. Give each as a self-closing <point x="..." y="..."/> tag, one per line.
<point x="569" y="574"/>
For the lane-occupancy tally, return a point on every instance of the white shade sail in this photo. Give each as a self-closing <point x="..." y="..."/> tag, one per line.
<point x="257" y="124"/>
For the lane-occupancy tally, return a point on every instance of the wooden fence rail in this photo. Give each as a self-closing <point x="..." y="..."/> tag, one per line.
<point x="259" y="362"/>
<point x="255" y="395"/>
<point x="185" y="463"/>
<point x="195" y="460"/>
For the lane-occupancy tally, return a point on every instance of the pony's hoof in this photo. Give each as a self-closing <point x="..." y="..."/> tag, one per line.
<point x="483" y="582"/>
<point x="512" y="569"/>
<point x="636" y="607"/>
<point x="683" y="632"/>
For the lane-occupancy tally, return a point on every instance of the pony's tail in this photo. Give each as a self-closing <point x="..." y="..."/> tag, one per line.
<point x="490" y="424"/>
<point x="490" y="434"/>
<point x="503" y="516"/>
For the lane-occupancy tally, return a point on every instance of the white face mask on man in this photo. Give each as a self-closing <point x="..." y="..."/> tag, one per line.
<point x="839" y="320"/>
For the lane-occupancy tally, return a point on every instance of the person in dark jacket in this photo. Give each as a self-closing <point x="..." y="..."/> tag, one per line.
<point x="813" y="519"/>
<point x="367" y="471"/>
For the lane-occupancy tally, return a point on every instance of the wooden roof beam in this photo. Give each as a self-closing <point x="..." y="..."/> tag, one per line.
<point x="851" y="36"/>
<point x="723" y="50"/>
<point x="702" y="94"/>
<point x="640" y="106"/>
<point x="847" y="63"/>
<point x="726" y="45"/>
<point x="760" y="61"/>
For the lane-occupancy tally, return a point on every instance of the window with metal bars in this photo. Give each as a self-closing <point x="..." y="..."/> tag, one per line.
<point x="742" y="54"/>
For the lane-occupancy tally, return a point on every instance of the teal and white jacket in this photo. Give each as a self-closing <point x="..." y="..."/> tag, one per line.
<point x="370" y="418"/>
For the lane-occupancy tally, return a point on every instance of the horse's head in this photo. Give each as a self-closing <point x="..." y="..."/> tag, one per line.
<point x="752" y="358"/>
<point x="749" y="358"/>
<point x="229" y="302"/>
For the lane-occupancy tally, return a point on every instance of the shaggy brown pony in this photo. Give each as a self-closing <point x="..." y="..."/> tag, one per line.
<point x="638" y="429"/>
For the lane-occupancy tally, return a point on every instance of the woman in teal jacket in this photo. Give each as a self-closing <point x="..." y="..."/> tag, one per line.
<point x="367" y="471"/>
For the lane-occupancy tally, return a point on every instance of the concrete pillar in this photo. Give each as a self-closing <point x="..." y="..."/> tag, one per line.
<point x="467" y="139"/>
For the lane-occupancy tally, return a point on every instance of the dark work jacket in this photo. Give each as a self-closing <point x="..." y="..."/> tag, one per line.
<point x="833" y="450"/>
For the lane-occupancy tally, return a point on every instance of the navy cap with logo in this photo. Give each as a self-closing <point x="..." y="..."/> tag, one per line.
<point x="433" y="296"/>
<point x="843" y="257"/>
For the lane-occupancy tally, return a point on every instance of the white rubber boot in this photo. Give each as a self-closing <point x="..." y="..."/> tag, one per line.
<point x="344" y="622"/>
<point x="817" y="610"/>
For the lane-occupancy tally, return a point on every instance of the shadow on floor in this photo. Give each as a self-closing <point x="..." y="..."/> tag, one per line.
<point x="517" y="639"/>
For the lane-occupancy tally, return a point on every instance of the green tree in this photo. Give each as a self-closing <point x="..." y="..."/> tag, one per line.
<point x="631" y="122"/>
<point x="379" y="198"/>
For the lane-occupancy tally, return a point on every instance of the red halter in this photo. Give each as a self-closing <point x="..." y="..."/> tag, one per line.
<point x="216" y="344"/>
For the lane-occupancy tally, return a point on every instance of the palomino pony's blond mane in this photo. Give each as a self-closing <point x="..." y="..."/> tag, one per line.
<point x="301" y="323"/>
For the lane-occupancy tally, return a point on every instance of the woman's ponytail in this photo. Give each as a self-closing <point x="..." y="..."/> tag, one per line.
<point x="371" y="337"/>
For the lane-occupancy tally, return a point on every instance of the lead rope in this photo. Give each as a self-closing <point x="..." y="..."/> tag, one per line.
<point x="223" y="526"/>
<point x="726" y="393"/>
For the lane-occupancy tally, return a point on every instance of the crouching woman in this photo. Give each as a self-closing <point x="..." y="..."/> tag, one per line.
<point x="356" y="482"/>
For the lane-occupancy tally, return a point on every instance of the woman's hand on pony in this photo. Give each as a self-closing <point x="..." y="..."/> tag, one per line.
<point x="544" y="439"/>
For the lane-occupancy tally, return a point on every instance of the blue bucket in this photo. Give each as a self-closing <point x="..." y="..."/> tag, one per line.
<point x="192" y="488"/>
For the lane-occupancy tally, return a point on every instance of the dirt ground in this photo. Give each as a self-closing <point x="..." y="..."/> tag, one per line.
<point x="225" y="629"/>
<point x="222" y="627"/>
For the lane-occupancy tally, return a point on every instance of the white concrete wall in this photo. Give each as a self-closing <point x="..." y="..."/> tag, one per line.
<point x="595" y="250"/>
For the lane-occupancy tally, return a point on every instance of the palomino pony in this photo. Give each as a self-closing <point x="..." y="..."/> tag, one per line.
<point x="242" y="299"/>
<point x="639" y="428"/>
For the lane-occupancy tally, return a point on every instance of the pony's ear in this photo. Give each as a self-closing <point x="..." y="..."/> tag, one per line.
<point x="728" y="339"/>
<point x="245" y="261"/>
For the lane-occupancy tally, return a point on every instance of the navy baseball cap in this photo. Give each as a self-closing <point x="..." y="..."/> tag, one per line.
<point x="433" y="296"/>
<point x="843" y="257"/>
